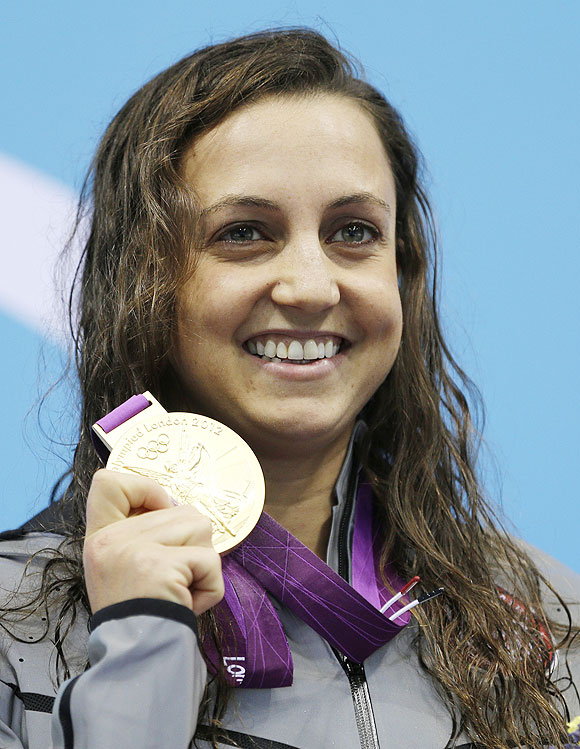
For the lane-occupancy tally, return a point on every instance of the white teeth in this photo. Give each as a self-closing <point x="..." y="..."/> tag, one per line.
<point x="295" y="350"/>
<point x="310" y="350"/>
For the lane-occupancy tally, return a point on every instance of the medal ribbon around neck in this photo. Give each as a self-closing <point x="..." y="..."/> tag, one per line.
<point x="253" y="646"/>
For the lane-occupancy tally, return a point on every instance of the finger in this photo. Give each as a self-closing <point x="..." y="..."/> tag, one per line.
<point x="207" y="583"/>
<point x="172" y="526"/>
<point x="191" y="576"/>
<point x="113" y="496"/>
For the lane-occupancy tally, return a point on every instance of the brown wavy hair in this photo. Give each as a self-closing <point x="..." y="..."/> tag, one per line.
<point x="487" y="660"/>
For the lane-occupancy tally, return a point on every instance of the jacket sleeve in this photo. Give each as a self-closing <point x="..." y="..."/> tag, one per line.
<point x="144" y="685"/>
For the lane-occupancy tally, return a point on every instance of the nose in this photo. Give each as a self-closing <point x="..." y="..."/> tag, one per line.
<point x="305" y="277"/>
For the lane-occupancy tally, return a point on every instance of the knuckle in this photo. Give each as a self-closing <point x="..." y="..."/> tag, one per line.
<point x="210" y="558"/>
<point x="199" y="522"/>
<point x="204" y="524"/>
<point x="220" y="588"/>
<point x="96" y="549"/>
<point x="101" y="476"/>
<point x="185" y="510"/>
<point x="102" y="482"/>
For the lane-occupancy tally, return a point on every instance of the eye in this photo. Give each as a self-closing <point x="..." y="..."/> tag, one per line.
<point x="355" y="232"/>
<point x="241" y="233"/>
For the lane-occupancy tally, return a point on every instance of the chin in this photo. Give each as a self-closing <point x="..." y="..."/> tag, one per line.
<point x="298" y="434"/>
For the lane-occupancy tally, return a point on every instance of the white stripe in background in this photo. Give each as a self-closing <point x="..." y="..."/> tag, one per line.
<point x="36" y="217"/>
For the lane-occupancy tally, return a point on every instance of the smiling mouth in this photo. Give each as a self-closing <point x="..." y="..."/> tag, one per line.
<point x="292" y="351"/>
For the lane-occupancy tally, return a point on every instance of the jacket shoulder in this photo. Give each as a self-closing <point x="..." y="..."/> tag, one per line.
<point x="564" y="580"/>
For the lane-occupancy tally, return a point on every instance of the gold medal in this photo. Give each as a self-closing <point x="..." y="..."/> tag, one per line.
<point x="198" y="460"/>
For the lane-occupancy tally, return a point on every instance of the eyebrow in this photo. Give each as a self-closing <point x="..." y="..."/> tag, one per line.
<point x="256" y="202"/>
<point x="238" y="200"/>
<point x="361" y="197"/>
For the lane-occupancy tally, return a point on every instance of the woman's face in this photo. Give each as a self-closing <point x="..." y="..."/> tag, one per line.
<point x="292" y="318"/>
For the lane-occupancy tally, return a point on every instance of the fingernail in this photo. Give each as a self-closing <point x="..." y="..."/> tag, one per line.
<point x="173" y="500"/>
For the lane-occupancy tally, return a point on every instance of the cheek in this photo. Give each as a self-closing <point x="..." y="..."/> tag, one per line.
<point x="219" y="297"/>
<point x="202" y="309"/>
<point x="396" y="321"/>
<point x="384" y="318"/>
<point x="388" y="334"/>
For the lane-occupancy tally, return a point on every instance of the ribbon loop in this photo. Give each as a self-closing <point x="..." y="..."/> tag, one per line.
<point x="255" y="649"/>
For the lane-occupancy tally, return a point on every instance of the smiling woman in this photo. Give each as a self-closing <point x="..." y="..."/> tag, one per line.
<point x="298" y="260"/>
<point x="261" y="259"/>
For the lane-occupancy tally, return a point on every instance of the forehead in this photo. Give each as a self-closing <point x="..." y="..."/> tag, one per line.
<point x="325" y="138"/>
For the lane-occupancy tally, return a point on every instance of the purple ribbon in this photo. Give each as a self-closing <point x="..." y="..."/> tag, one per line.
<point x="254" y="648"/>
<point x="131" y="407"/>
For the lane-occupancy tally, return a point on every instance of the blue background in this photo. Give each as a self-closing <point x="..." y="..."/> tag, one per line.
<point x="490" y="91"/>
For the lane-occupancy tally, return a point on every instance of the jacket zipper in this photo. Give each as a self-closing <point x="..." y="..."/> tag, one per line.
<point x="355" y="672"/>
<point x="361" y="700"/>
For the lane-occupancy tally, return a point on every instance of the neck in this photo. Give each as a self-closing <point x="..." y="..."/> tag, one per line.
<point x="299" y="493"/>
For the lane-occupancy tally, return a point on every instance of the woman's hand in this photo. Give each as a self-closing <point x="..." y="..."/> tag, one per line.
<point x="139" y="545"/>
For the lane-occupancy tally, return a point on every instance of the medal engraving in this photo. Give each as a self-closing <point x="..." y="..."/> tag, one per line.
<point x="199" y="462"/>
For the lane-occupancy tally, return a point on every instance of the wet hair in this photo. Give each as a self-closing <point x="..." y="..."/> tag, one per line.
<point x="486" y="658"/>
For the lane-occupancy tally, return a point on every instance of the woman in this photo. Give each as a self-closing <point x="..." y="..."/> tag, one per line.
<point x="260" y="253"/>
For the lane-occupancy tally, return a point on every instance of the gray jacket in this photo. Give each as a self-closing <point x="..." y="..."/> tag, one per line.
<point x="146" y="676"/>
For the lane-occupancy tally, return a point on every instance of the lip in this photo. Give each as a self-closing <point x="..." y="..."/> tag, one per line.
<point x="318" y="370"/>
